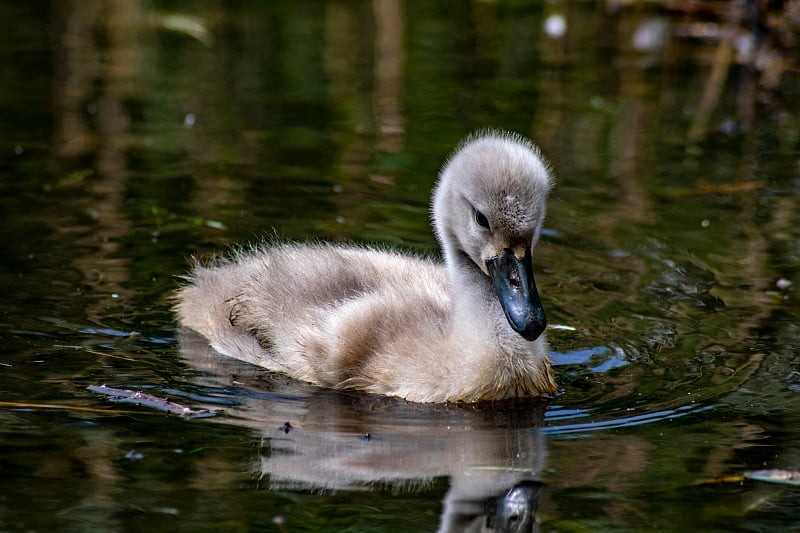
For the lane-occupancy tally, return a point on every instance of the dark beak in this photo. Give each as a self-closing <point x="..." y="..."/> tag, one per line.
<point x="516" y="289"/>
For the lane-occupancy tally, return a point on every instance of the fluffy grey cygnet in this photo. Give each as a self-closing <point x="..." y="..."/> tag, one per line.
<point x="389" y="323"/>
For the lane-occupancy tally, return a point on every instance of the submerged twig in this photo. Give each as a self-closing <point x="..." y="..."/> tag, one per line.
<point x="55" y="406"/>
<point x="149" y="400"/>
<point x="719" y="188"/>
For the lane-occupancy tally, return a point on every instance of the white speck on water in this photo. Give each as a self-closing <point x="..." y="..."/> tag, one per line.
<point x="705" y="223"/>
<point x="651" y="35"/>
<point x="214" y="224"/>
<point x="189" y="120"/>
<point x="555" y="26"/>
<point x="745" y="45"/>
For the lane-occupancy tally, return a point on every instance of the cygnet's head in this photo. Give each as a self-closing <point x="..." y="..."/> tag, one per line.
<point x="489" y="206"/>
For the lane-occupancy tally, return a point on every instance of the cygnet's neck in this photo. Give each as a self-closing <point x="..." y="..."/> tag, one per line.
<point x="476" y="309"/>
<point x="485" y="342"/>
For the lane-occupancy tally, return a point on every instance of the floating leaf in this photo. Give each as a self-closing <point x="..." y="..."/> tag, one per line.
<point x="775" y="475"/>
<point x="187" y="25"/>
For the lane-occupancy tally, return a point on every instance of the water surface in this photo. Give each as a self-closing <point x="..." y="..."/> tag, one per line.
<point x="136" y="135"/>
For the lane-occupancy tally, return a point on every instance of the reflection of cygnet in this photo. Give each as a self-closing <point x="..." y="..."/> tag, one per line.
<point x="471" y="507"/>
<point x="392" y="324"/>
<point x="490" y="469"/>
<point x="514" y="510"/>
<point x="492" y="454"/>
<point x="511" y="512"/>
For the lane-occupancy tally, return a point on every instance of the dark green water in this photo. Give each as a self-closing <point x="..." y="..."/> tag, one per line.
<point x="134" y="135"/>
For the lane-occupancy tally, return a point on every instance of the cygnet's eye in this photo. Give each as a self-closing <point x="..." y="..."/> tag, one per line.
<point x="481" y="219"/>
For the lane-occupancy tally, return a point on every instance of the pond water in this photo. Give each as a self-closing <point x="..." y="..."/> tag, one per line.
<point x="136" y="135"/>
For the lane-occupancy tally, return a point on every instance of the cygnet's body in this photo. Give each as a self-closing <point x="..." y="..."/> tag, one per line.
<point x="393" y="324"/>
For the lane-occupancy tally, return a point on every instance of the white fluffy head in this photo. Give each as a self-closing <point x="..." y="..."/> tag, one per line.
<point x="491" y="195"/>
